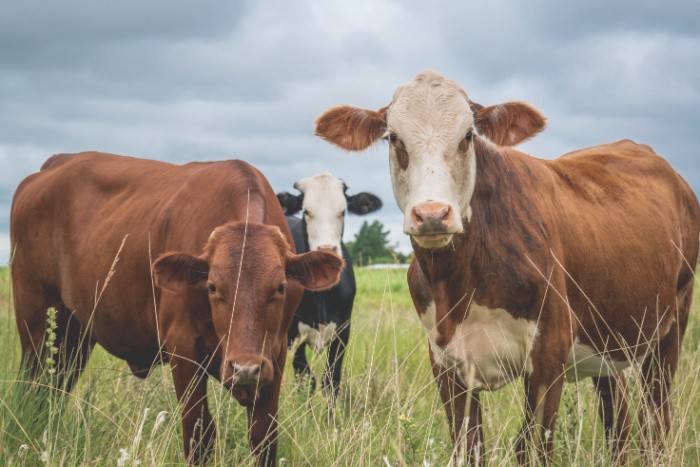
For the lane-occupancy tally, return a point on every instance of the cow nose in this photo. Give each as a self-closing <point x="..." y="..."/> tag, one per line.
<point x="245" y="373"/>
<point x="329" y="248"/>
<point x="431" y="215"/>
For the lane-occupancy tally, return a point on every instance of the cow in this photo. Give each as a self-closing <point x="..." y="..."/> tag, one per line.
<point x="323" y="318"/>
<point x="546" y="269"/>
<point x="216" y="301"/>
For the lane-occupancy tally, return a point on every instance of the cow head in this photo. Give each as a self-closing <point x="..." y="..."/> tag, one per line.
<point x="431" y="125"/>
<point x="246" y="270"/>
<point x="324" y="201"/>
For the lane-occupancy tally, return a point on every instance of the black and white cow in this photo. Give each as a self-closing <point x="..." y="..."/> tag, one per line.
<point x="323" y="318"/>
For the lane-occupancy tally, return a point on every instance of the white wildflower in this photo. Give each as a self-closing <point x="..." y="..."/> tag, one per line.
<point x="123" y="457"/>
<point x="137" y="438"/>
<point x="22" y="450"/>
<point x="160" y="419"/>
<point x="44" y="457"/>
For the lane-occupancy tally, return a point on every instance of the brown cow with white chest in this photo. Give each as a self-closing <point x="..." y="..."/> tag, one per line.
<point x="225" y="290"/>
<point x="546" y="269"/>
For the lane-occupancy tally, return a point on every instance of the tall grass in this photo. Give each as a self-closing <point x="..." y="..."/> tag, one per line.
<point x="389" y="412"/>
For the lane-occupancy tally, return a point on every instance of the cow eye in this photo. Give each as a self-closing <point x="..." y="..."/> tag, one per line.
<point x="211" y="287"/>
<point x="307" y="213"/>
<point x="281" y="288"/>
<point x="342" y="214"/>
<point x="469" y="136"/>
<point x="392" y="137"/>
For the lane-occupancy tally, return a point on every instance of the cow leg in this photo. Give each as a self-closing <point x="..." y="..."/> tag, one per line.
<point x="544" y="385"/>
<point x="657" y="375"/>
<point x="262" y="419"/>
<point x="334" y="367"/>
<point x="73" y="351"/>
<point x="198" y="429"/>
<point x="542" y="397"/>
<point x="31" y="302"/>
<point x="301" y="366"/>
<point x="71" y="345"/>
<point x="469" y="440"/>
<point x="614" y="413"/>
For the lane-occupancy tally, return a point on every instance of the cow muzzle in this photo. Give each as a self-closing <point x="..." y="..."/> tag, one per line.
<point x="245" y="376"/>
<point x="330" y="248"/>
<point x="432" y="224"/>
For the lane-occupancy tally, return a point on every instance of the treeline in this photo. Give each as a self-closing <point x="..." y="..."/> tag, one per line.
<point x="371" y="246"/>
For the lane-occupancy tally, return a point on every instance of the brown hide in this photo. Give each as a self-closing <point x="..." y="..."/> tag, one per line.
<point x="85" y="231"/>
<point x="603" y="218"/>
<point x="595" y="249"/>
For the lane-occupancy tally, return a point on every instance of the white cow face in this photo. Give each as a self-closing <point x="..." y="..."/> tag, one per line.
<point x="430" y="129"/>
<point x="323" y="208"/>
<point x="431" y="125"/>
<point x="324" y="202"/>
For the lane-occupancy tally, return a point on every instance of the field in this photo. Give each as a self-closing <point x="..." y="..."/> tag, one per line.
<point x="389" y="412"/>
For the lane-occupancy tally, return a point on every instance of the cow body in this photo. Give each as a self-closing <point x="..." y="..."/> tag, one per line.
<point x="85" y="231"/>
<point x="323" y="318"/>
<point x="549" y="270"/>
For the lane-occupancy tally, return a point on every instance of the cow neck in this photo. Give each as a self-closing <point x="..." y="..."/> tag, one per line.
<point x="256" y="207"/>
<point x="486" y="264"/>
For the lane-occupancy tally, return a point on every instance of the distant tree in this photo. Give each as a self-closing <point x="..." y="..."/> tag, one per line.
<point x="371" y="245"/>
<point x="401" y="257"/>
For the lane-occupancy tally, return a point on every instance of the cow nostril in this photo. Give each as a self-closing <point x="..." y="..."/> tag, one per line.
<point x="444" y="213"/>
<point x="417" y="217"/>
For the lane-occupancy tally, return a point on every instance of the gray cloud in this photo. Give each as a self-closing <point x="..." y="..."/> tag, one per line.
<point x="180" y="81"/>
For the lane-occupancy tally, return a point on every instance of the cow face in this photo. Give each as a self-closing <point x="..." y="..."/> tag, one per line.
<point x="324" y="202"/>
<point x="246" y="271"/>
<point x="431" y="125"/>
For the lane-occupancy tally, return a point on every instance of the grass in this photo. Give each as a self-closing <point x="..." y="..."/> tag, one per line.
<point x="389" y="412"/>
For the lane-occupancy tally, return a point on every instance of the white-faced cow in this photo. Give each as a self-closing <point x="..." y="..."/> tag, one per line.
<point x="323" y="318"/>
<point x="546" y="269"/>
<point x="227" y="280"/>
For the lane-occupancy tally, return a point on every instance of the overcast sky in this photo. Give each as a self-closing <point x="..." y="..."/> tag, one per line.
<point x="182" y="80"/>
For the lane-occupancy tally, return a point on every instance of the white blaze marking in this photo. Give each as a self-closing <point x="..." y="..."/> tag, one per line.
<point x="317" y="338"/>
<point x="491" y="341"/>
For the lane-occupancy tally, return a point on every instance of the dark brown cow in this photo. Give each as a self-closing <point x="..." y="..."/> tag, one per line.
<point x="549" y="270"/>
<point x="83" y="230"/>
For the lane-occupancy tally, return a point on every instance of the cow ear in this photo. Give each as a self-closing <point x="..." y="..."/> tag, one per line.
<point x="509" y="123"/>
<point x="351" y="128"/>
<point x="291" y="204"/>
<point x="177" y="271"/>
<point x="315" y="270"/>
<point x="363" y="203"/>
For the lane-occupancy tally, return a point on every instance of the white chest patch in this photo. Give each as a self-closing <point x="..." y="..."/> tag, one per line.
<point x="584" y="361"/>
<point x="317" y="338"/>
<point x="488" y="350"/>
